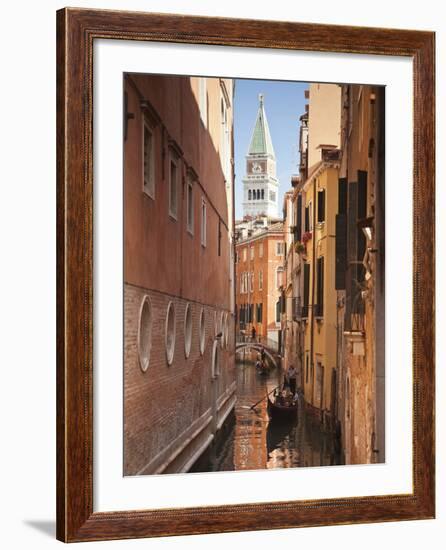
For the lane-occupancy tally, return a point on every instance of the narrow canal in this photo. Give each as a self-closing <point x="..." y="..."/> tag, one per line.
<point x="253" y="442"/>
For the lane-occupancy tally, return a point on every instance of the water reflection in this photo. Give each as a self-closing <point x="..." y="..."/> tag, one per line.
<point x="256" y="443"/>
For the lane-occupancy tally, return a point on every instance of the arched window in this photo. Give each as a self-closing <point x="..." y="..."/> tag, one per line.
<point x="202" y="331"/>
<point x="263" y="194"/>
<point x="145" y="333"/>
<point x="249" y="194"/>
<point x="187" y="330"/>
<point x="215" y="361"/>
<point x="170" y="333"/>
<point x="222" y="329"/>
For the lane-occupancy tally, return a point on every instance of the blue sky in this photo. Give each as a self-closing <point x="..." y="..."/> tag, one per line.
<point x="284" y="103"/>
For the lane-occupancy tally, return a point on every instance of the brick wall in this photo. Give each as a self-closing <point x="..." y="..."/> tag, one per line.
<point x="161" y="403"/>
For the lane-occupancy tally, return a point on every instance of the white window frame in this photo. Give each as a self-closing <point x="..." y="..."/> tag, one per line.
<point x="222" y="329"/>
<point x="148" y="186"/>
<point x="190" y="222"/>
<point x="202" y="331"/>
<point x="188" y="330"/>
<point x="170" y="351"/>
<point x="251" y="281"/>
<point x="280" y="247"/>
<point x="173" y="159"/>
<point x="144" y="341"/>
<point x="203" y="222"/>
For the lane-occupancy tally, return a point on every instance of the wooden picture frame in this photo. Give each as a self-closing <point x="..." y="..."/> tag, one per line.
<point x="77" y="29"/>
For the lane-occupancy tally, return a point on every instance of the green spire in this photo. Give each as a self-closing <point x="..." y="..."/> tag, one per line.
<point x="261" y="143"/>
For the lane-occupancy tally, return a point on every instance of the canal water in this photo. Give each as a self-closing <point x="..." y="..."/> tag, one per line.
<point x="253" y="442"/>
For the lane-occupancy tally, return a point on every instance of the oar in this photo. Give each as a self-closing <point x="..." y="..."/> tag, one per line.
<point x="265" y="396"/>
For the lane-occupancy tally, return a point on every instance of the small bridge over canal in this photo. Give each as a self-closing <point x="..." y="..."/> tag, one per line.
<point x="258" y="344"/>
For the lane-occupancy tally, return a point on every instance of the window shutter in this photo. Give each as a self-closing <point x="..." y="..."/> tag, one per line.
<point x="307" y="219"/>
<point x="298" y="236"/>
<point x="362" y="194"/>
<point x="306" y="284"/>
<point x="321" y="206"/>
<point x="320" y="287"/>
<point x="340" y="251"/>
<point x="342" y="196"/>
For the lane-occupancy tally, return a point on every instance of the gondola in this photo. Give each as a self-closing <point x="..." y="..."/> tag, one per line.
<point x="263" y="368"/>
<point x="284" y="412"/>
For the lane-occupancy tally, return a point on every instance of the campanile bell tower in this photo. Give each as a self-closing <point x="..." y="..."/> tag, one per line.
<point x="260" y="184"/>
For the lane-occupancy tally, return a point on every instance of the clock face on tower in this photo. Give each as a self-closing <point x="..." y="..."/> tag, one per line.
<point x="256" y="168"/>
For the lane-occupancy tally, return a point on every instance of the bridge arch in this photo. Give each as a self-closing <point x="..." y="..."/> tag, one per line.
<point x="257" y="347"/>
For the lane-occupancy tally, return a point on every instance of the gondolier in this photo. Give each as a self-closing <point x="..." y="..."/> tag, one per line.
<point x="291" y="377"/>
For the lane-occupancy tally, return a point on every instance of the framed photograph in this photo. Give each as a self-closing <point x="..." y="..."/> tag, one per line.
<point x="245" y="275"/>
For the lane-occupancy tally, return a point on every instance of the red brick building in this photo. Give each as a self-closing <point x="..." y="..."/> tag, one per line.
<point x="259" y="276"/>
<point x="179" y="384"/>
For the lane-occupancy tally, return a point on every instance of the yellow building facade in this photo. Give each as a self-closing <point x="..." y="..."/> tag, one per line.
<point x="320" y="194"/>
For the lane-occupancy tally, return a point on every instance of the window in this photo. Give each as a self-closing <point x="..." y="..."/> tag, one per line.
<point x="222" y="329"/>
<point x="215" y="361"/>
<point x="251" y="252"/>
<point x="249" y="194"/>
<point x="263" y="194"/>
<point x="272" y="196"/>
<point x="202" y="100"/>
<point x="203" y="222"/>
<point x="190" y="207"/>
<point x="259" y="313"/>
<point x="187" y="330"/>
<point x="260" y="280"/>
<point x="261" y="250"/>
<point x="173" y="187"/>
<point x="279" y="276"/>
<point x="320" y="288"/>
<point x="278" y="307"/>
<point x="244" y="254"/>
<point x="321" y="205"/>
<point x="307" y="220"/>
<point x="170" y="333"/>
<point x="145" y="333"/>
<point x="306" y="290"/>
<point x="298" y="232"/>
<point x="227" y="330"/>
<point x="149" y="160"/>
<point x="202" y="331"/>
<point x="307" y="369"/>
<point x="279" y="248"/>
